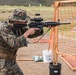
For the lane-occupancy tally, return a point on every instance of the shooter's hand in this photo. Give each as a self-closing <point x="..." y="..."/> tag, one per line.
<point x="30" y="31"/>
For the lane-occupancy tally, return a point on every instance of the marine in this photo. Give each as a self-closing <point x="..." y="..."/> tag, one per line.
<point x="9" y="44"/>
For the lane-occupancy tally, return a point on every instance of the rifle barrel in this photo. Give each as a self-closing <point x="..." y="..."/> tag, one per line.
<point x="55" y="23"/>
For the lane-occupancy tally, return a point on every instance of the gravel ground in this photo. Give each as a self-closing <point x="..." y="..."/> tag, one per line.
<point x="39" y="68"/>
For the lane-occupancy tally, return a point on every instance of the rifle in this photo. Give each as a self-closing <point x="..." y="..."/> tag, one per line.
<point x="36" y="22"/>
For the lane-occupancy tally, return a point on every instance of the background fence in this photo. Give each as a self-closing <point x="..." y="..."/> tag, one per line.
<point x="64" y="36"/>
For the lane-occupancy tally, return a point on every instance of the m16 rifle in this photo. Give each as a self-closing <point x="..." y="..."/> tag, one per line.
<point x="36" y="22"/>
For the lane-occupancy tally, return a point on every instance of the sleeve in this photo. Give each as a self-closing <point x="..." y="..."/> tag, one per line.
<point x="11" y="39"/>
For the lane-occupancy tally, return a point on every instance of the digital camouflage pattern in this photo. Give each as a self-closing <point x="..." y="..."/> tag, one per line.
<point x="9" y="67"/>
<point x="18" y="14"/>
<point x="9" y="40"/>
<point x="9" y="43"/>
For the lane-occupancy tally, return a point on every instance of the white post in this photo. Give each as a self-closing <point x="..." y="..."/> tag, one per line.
<point x="40" y="5"/>
<point x="29" y="5"/>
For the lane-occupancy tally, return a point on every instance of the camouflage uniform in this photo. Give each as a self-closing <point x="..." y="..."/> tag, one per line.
<point x="9" y="44"/>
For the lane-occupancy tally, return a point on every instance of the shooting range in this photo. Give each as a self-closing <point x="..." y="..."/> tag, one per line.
<point x="61" y="41"/>
<point x="62" y="38"/>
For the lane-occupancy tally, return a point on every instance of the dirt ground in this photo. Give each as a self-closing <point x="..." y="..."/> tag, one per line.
<point x="38" y="68"/>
